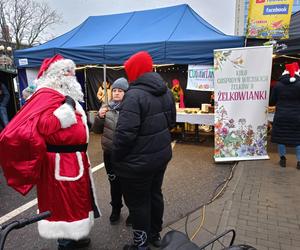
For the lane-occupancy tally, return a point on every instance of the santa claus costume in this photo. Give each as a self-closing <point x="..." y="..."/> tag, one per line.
<point x="46" y="145"/>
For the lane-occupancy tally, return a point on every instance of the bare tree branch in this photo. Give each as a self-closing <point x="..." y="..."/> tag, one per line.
<point x="27" y="21"/>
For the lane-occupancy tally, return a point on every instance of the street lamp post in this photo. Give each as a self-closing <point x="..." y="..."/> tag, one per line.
<point x="6" y="53"/>
<point x="9" y="55"/>
<point x="2" y="48"/>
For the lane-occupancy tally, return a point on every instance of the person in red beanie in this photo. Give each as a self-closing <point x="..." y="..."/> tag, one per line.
<point x="50" y="134"/>
<point x="142" y="148"/>
<point x="286" y="123"/>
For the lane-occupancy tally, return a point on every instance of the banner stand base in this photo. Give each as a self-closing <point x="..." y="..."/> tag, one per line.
<point x="226" y="159"/>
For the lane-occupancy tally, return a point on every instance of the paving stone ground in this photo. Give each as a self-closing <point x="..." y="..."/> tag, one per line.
<point x="261" y="203"/>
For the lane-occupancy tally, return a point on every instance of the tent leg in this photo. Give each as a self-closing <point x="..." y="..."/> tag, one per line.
<point x="105" y="84"/>
<point x="86" y="91"/>
<point x="246" y="42"/>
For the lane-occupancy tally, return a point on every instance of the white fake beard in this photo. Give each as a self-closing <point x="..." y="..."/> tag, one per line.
<point x="66" y="85"/>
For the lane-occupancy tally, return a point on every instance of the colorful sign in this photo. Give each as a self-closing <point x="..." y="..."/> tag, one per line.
<point x="242" y="83"/>
<point x="200" y="77"/>
<point x="269" y="19"/>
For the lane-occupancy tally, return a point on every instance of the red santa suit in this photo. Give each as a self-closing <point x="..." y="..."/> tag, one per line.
<point x="52" y="155"/>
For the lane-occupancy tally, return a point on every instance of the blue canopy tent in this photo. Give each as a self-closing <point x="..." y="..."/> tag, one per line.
<point x="172" y="35"/>
<point x="176" y="35"/>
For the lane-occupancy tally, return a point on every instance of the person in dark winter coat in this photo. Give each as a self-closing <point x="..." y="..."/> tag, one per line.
<point x="142" y="147"/>
<point x="4" y="99"/>
<point x="108" y="117"/>
<point x="286" y="123"/>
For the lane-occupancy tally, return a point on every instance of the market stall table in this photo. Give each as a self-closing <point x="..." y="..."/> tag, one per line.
<point x="193" y="116"/>
<point x="196" y="118"/>
<point x="203" y="118"/>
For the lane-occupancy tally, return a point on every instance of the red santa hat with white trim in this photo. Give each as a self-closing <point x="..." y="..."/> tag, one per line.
<point x="297" y="70"/>
<point x="292" y="69"/>
<point x="55" y="65"/>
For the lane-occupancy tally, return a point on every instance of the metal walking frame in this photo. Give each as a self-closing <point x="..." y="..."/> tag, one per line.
<point x="178" y="240"/>
<point x="6" y="228"/>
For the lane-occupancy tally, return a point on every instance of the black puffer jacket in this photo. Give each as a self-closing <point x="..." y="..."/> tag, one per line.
<point x="286" y="123"/>
<point x="142" y="141"/>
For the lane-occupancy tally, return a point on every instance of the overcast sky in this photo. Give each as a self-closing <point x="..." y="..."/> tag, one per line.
<point x="219" y="13"/>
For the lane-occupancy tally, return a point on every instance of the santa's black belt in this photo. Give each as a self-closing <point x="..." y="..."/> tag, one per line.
<point x="66" y="148"/>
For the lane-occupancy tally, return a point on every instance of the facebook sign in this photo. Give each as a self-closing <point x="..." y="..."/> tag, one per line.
<point x="276" y="9"/>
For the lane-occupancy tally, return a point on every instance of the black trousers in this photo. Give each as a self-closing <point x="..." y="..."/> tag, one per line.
<point x="115" y="184"/>
<point x="144" y="199"/>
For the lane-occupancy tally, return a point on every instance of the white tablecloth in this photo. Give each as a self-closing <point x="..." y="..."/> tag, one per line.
<point x="206" y="119"/>
<point x="202" y="118"/>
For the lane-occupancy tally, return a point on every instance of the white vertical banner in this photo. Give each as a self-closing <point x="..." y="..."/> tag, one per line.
<point x="242" y="83"/>
<point x="200" y="77"/>
<point x="31" y="74"/>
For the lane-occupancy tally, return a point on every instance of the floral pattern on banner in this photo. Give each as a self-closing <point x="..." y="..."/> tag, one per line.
<point x="220" y="57"/>
<point x="237" y="138"/>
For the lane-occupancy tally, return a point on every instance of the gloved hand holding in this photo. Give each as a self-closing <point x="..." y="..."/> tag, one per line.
<point x="102" y="111"/>
<point x="66" y="112"/>
<point x="69" y="100"/>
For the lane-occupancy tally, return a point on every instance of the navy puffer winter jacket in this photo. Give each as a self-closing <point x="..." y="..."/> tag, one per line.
<point x="142" y="141"/>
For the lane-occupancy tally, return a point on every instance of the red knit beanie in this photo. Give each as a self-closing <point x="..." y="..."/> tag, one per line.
<point x="137" y="65"/>
<point x="175" y="82"/>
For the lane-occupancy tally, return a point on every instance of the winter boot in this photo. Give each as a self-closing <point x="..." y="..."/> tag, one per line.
<point x="155" y="240"/>
<point x="298" y="165"/>
<point x="134" y="247"/>
<point x="66" y="244"/>
<point x="282" y="161"/>
<point x="114" y="218"/>
<point x="140" y="241"/>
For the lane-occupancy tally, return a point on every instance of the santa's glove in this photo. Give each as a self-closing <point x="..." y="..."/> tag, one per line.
<point x="66" y="113"/>
<point x="69" y="100"/>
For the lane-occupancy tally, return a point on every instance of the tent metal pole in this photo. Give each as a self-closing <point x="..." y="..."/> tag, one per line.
<point x="85" y="88"/>
<point x="12" y="80"/>
<point x="105" y="84"/>
<point x="17" y="84"/>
